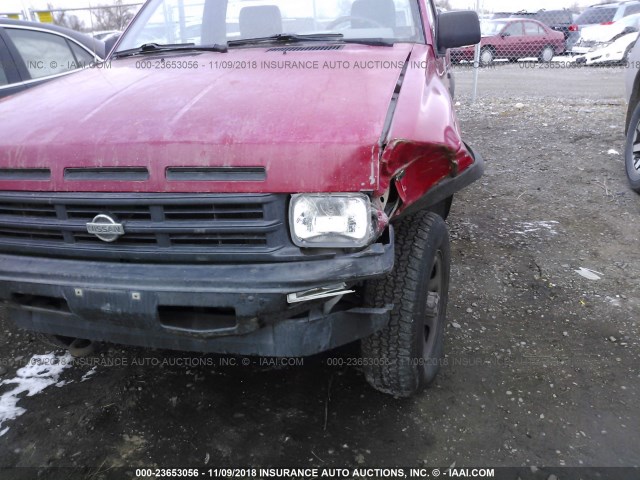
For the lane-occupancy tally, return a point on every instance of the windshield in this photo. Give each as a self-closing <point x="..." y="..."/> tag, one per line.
<point x="592" y="16"/>
<point x="491" y="28"/>
<point x="208" y="22"/>
<point x="630" y="21"/>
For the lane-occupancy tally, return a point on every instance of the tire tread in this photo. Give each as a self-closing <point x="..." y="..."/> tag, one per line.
<point x="394" y="373"/>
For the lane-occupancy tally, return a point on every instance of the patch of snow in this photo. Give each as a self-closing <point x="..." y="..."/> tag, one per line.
<point x="88" y="375"/>
<point x="563" y="59"/>
<point x="613" y="152"/>
<point x="524" y="228"/>
<point x="614" y="301"/>
<point x="589" y="274"/>
<point x="40" y="372"/>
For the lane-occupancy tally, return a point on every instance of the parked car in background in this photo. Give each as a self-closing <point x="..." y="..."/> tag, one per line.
<point x="109" y="37"/>
<point x="604" y="14"/>
<point x="558" y="20"/>
<point x="104" y="34"/>
<point x="513" y="39"/>
<point x="33" y="53"/>
<point x="600" y="44"/>
<point x="632" y="124"/>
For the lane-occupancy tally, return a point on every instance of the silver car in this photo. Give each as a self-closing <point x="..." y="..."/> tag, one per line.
<point x="33" y="53"/>
<point x="632" y="149"/>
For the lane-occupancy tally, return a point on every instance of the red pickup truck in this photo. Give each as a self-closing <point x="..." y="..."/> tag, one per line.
<point x="257" y="177"/>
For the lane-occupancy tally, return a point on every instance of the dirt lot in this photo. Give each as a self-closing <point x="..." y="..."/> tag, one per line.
<point x="542" y="363"/>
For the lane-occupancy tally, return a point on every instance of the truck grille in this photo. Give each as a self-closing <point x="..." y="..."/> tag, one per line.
<point x="158" y="227"/>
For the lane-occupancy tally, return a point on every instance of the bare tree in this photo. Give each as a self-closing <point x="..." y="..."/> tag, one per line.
<point x="70" y="21"/>
<point x="112" y="17"/>
<point x="345" y="7"/>
<point x="444" y="4"/>
<point x="575" y="8"/>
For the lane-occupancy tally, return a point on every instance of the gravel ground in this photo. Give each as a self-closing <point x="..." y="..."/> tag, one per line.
<point x="542" y="363"/>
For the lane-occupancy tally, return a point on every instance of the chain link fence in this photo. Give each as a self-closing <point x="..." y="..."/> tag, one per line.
<point x="514" y="44"/>
<point x="519" y="42"/>
<point x="598" y="35"/>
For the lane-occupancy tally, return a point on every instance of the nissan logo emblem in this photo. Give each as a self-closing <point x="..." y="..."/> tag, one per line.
<point x="105" y="228"/>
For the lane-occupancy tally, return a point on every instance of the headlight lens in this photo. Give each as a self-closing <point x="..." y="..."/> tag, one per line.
<point x="600" y="45"/>
<point x="331" y="220"/>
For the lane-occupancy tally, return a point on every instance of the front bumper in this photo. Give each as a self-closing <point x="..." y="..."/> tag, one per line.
<point x="223" y="308"/>
<point x="580" y="50"/>
<point x="602" y="56"/>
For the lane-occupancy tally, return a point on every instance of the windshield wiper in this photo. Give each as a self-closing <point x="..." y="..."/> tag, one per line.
<point x="173" y="47"/>
<point x="374" y="42"/>
<point x="315" y="37"/>
<point x="287" y="38"/>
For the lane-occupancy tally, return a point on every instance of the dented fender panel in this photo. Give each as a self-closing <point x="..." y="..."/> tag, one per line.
<point x="424" y="146"/>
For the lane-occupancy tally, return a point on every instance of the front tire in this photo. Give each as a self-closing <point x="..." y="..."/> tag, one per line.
<point x="632" y="150"/>
<point x="405" y="357"/>
<point x="486" y="56"/>
<point x="547" y="54"/>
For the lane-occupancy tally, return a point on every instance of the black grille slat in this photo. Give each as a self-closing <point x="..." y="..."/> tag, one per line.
<point x="148" y="236"/>
<point x="316" y="48"/>
<point x="220" y="240"/>
<point x="232" y="212"/>
<point x="87" y="213"/>
<point x="130" y="239"/>
<point x="216" y="174"/>
<point x="161" y="227"/>
<point x="117" y="174"/>
<point x="45" y="223"/>
<point x="28" y="210"/>
<point x="26" y="233"/>
<point x="25" y="174"/>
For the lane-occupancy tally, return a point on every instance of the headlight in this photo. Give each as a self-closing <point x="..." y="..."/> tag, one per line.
<point x="331" y="220"/>
<point x="600" y="45"/>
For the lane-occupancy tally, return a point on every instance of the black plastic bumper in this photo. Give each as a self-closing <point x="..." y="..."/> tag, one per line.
<point x="235" y="309"/>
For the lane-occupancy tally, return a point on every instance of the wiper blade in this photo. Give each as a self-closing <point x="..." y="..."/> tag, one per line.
<point x="286" y="38"/>
<point x="172" y="47"/>
<point x="374" y="42"/>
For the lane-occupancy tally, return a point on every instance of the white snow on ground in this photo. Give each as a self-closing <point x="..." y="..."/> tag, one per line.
<point x="88" y="375"/>
<point x="589" y="274"/>
<point x="565" y="59"/>
<point x="41" y="372"/>
<point x="525" y="228"/>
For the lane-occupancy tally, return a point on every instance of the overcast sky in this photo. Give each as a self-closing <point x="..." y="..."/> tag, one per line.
<point x="492" y="5"/>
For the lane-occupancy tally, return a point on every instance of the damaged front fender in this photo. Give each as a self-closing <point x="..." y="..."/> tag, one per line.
<point x="423" y="152"/>
<point x="415" y="169"/>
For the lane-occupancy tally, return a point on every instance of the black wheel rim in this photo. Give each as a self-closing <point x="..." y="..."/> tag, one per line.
<point x="634" y="161"/>
<point x="433" y="308"/>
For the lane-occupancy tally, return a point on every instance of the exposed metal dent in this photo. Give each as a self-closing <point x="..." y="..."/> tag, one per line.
<point x="384" y="136"/>
<point x="392" y="107"/>
<point x="374" y="165"/>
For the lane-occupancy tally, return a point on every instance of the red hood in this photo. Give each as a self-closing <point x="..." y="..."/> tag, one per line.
<point x="312" y="130"/>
